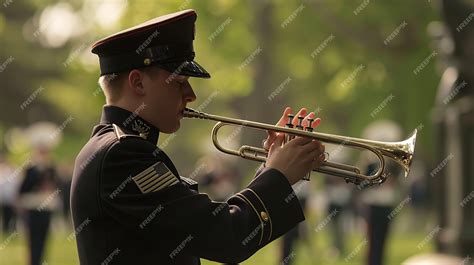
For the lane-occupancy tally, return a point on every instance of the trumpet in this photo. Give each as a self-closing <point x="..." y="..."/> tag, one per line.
<point x="401" y="152"/>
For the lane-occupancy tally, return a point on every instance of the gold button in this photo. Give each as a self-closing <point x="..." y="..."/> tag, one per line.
<point x="147" y="61"/>
<point x="264" y="216"/>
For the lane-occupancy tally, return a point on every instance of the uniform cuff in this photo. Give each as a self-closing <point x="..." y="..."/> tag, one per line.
<point x="269" y="195"/>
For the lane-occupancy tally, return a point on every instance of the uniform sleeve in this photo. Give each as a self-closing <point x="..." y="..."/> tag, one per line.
<point x="194" y="224"/>
<point x="252" y="218"/>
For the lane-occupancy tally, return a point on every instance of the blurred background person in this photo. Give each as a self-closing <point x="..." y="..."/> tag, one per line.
<point x="8" y="188"/>
<point x="39" y="192"/>
<point x="338" y="194"/>
<point x="380" y="201"/>
<point x="38" y="198"/>
<point x="418" y="194"/>
<point x="220" y="177"/>
<point x="302" y="192"/>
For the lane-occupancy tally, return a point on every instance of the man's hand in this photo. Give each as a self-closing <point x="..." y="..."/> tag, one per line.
<point x="284" y="120"/>
<point x="297" y="157"/>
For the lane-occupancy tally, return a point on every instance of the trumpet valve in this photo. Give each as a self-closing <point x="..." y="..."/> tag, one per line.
<point x="289" y="125"/>
<point x="300" y="123"/>
<point x="290" y="121"/>
<point x="309" y="128"/>
<point x="300" y="127"/>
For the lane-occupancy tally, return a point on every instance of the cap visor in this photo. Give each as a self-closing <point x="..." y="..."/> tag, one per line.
<point x="187" y="68"/>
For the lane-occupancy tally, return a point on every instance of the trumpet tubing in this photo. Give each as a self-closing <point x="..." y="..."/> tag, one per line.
<point x="401" y="152"/>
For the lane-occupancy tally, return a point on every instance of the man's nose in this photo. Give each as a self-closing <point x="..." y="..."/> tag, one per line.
<point x="189" y="95"/>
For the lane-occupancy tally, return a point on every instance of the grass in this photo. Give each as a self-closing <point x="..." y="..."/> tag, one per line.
<point x="401" y="245"/>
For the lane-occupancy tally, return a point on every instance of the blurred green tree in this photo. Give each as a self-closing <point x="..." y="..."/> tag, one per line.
<point x="353" y="63"/>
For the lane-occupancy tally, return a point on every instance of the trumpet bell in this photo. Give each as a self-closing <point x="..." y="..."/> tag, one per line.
<point x="402" y="152"/>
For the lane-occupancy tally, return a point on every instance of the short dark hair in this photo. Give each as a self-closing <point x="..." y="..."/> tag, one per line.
<point x="112" y="84"/>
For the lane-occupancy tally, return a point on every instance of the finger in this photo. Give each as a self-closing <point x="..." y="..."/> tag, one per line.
<point x="300" y="141"/>
<point x="277" y="143"/>
<point x="318" y="161"/>
<point x="323" y="149"/>
<point x="316" y="153"/>
<point x="316" y="123"/>
<point x="271" y="135"/>
<point x="313" y="146"/>
<point x="284" y="118"/>
<point x="320" y="148"/>
<point x="270" y="139"/>
<point x="302" y="112"/>
<point x="305" y="120"/>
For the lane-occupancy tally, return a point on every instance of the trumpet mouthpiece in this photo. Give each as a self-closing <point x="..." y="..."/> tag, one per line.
<point x="190" y="113"/>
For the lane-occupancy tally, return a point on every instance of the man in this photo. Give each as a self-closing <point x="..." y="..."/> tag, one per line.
<point x="380" y="202"/>
<point x="37" y="202"/>
<point x="129" y="203"/>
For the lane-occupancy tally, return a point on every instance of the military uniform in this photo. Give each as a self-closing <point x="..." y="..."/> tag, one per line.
<point x="131" y="206"/>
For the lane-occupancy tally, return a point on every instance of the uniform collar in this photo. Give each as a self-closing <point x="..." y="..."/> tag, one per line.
<point x="130" y="121"/>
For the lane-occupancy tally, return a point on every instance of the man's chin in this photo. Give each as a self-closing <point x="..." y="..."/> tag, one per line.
<point x="171" y="129"/>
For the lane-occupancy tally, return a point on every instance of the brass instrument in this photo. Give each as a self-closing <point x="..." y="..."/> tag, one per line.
<point x="401" y="152"/>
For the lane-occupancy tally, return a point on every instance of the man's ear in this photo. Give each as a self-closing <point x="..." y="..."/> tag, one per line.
<point x="135" y="81"/>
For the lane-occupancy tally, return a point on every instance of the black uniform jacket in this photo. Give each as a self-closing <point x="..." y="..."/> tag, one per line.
<point x="131" y="206"/>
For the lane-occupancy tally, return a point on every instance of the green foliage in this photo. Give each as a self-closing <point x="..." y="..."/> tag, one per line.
<point x="319" y="81"/>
